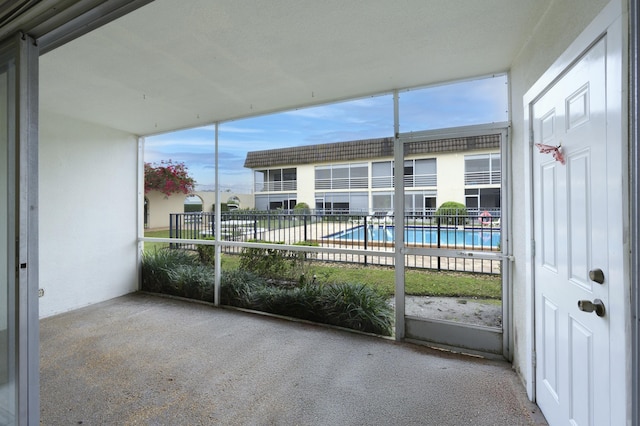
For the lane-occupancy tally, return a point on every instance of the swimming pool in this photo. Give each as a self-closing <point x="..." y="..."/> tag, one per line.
<point x="421" y="235"/>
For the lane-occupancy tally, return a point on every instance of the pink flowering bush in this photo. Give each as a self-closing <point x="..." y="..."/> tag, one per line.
<point x="167" y="177"/>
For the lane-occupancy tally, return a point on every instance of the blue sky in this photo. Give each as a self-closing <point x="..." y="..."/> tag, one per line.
<point x="460" y="104"/>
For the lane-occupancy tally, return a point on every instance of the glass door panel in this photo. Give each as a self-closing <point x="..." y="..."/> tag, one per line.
<point x="7" y="326"/>
<point x="19" y="331"/>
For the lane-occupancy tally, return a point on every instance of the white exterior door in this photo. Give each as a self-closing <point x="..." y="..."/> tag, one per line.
<point x="572" y="205"/>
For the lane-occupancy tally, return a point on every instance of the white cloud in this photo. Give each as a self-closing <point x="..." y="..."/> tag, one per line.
<point x="435" y="107"/>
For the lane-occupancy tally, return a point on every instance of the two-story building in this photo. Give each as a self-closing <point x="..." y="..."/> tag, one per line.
<point x="357" y="176"/>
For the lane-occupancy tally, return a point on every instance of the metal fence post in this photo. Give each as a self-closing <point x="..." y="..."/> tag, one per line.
<point x="305" y="226"/>
<point x="438" y="237"/>
<point x="255" y="226"/>
<point x="366" y="238"/>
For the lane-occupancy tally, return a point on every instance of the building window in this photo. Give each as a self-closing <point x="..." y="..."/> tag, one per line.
<point x="417" y="173"/>
<point x="382" y="174"/>
<point x="342" y="176"/>
<point x="275" y="201"/>
<point x="421" y="203"/>
<point x="341" y="202"/>
<point x="482" y="199"/>
<point x="272" y="180"/>
<point x="420" y="172"/>
<point x="482" y="169"/>
<point x="382" y="201"/>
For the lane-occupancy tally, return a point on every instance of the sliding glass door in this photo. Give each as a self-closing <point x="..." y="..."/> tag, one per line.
<point x="7" y="298"/>
<point x="19" y="352"/>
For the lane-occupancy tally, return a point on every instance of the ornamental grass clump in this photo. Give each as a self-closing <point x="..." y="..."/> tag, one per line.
<point x="359" y="307"/>
<point x="181" y="273"/>
<point x="174" y="271"/>
<point x="354" y="306"/>
<point x="192" y="281"/>
<point x="238" y="288"/>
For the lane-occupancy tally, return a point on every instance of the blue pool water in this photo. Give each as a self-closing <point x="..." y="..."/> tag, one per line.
<point x="485" y="238"/>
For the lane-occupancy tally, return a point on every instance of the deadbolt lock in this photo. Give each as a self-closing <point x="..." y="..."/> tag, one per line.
<point x="588" y="306"/>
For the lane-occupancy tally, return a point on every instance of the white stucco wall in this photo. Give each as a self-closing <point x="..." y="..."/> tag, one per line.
<point x="88" y="208"/>
<point x="161" y="206"/>
<point x="451" y="177"/>
<point x="562" y="23"/>
<point x="450" y="171"/>
<point x="306" y="177"/>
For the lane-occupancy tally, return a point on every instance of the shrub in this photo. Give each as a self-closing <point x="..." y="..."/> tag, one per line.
<point x="156" y="265"/>
<point x="167" y="177"/>
<point x="224" y="207"/>
<point x="451" y="213"/>
<point x="278" y="264"/>
<point x="359" y="307"/>
<point x="354" y="306"/>
<point x="301" y="208"/>
<point x="267" y="263"/>
<point x="192" y="281"/>
<point x="177" y="272"/>
<point x="206" y="253"/>
<point x="237" y="288"/>
<point x="193" y="208"/>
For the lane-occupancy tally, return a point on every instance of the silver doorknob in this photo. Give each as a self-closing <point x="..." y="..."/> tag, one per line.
<point x="588" y="306"/>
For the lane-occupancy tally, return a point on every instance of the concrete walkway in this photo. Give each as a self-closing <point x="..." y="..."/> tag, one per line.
<point x="147" y="360"/>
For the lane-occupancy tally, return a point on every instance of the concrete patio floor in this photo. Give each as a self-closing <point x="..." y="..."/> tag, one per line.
<point x="143" y="359"/>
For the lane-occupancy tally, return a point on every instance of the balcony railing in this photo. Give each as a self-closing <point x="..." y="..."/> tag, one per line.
<point x="482" y="178"/>
<point x="413" y="181"/>
<point x="410" y="181"/>
<point x="342" y="183"/>
<point x="281" y="185"/>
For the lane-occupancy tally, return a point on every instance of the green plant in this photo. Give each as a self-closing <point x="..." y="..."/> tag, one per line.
<point x="157" y="264"/>
<point x="206" y="253"/>
<point x="168" y="177"/>
<point x="150" y="247"/>
<point x="192" y="281"/>
<point x="300" y="262"/>
<point x="359" y="307"/>
<point x="237" y="287"/>
<point x="279" y="264"/>
<point x="355" y="306"/>
<point x="268" y="263"/>
<point x="451" y="213"/>
<point x="301" y="208"/>
<point x="224" y="207"/>
<point x="192" y="208"/>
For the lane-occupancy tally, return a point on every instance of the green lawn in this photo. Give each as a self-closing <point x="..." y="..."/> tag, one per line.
<point x="156" y="234"/>
<point x="417" y="282"/>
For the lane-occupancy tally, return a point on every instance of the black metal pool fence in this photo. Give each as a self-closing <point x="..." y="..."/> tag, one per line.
<point x="374" y="232"/>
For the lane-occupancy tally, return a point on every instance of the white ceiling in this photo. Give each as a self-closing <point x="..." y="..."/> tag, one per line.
<point x="175" y="64"/>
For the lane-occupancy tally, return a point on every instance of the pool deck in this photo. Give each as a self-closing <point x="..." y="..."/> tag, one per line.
<point x="380" y="252"/>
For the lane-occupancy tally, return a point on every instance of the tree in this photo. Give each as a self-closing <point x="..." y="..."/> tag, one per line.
<point x="167" y="177"/>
